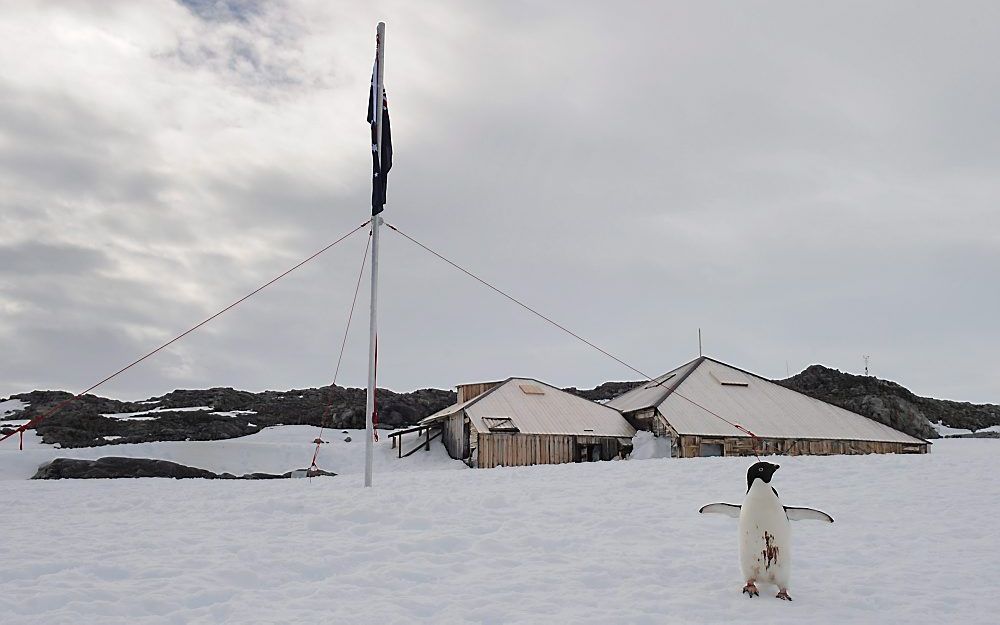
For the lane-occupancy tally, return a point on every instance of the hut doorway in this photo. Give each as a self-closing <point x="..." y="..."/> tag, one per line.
<point x="586" y="452"/>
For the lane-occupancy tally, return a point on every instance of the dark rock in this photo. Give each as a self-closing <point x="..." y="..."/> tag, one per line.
<point x="69" y="468"/>
<point x="79" y="422"/>
<point x="264" y="476"/>
<point x="889" y="403"/>
<point x="605" y="391"/>
<point x="347" y="439"/>
<point x="319" y="473"/>
<point x="112" y="467"/>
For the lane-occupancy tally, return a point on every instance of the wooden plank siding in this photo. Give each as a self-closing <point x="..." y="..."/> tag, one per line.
<point x="517" y="450"/>
<point x="691" y="446"/>
<point x="454" y="436"/>
<point x="470" y="391"/>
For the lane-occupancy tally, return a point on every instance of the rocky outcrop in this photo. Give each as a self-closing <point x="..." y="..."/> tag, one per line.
<point x="79" y="423"/>
<point x="69" y="468"/>
<point x="888" y="402"/>
<point x="605" y="391"/>
<point x="111" y="467"/>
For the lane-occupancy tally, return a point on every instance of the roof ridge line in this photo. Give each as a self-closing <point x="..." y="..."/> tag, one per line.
<point x="697" y="363"/>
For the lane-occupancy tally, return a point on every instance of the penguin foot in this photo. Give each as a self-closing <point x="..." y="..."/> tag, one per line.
<point x="751" y="589"/>
<point x="783" y="594"/>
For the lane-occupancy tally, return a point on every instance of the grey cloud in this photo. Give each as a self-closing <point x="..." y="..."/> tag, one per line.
<point x="36" y="258"/>
<point x="224" y="10"/>
<point x="807" y="183"/>
<point x="56" y="145"/>
<point x="252" y="46"/>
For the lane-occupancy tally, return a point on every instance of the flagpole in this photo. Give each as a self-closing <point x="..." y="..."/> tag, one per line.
<point x="376" y="222"/>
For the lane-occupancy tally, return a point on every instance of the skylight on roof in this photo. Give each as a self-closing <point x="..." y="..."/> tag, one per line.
<point x="729" y="378"/>
<point x="500" y="424"/>
<point x="531" y="389"/>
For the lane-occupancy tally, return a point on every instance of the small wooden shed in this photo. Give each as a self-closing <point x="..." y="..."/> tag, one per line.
<point x="521" y="421"/>
<point x="696" y="404"/>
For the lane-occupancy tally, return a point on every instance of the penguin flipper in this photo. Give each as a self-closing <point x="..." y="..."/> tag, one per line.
<point x="728" y="509"/>
<point x="806" y="514"/>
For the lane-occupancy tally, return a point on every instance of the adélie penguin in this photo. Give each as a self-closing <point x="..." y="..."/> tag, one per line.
<point x="765" y="534"/>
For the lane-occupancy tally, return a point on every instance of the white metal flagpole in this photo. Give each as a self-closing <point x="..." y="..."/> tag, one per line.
<point x="376" y="222"/>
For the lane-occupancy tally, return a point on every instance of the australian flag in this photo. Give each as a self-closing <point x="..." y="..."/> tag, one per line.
<point x="381" y="163"/>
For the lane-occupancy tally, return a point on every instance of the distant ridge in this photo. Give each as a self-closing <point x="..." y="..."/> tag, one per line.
<point x="228" y="413"/>
<point x="891" y="403"/>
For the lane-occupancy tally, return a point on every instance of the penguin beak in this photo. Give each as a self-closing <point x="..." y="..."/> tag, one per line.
<point x="777" y="466"/>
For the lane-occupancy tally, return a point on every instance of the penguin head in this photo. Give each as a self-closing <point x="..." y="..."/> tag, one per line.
<point x="762" y="471"/>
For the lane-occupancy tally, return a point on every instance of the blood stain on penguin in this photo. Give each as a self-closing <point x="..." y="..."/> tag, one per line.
<point x="770" y="551"/>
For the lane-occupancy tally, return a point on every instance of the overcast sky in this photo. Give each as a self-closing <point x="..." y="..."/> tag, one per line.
<point x="808" y="182"/>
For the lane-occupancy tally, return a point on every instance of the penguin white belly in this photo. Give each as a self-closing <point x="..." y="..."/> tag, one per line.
<point x="765" y="537"/>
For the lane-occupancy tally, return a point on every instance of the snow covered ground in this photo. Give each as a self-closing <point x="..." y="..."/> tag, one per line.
<point x="272" y="450"/>
<point x="9" y="406"/>
<point x="945" y="430"/>
<point x="914" y="541"/>
<point x="146" y="415"/>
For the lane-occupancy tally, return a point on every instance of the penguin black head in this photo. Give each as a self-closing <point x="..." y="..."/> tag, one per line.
<point x="760" y="470"/>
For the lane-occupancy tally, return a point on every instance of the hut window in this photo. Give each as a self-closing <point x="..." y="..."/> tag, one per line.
<point x="531" y="389"/>
<point x="500" y="424"/>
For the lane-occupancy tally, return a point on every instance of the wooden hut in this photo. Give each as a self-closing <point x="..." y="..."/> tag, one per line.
<point x="696" y="404"/>
<point x="521" y="421"/>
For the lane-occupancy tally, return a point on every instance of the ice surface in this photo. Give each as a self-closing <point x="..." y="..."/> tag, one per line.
<point x="607" y="542"/>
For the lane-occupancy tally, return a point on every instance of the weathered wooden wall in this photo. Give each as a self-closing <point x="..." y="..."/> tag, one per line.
<point x="470" y="391"/>
<point x="690" y="446"/>
<point x="511" y="449"/>
<point x="454" y="438"/>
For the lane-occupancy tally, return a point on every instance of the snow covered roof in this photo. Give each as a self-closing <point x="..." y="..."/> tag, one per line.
<point x="534" y="407"/>
<point x="767" y="409"/>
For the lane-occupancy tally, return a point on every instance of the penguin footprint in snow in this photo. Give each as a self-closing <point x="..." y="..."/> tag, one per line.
<point x="765" y="535"/>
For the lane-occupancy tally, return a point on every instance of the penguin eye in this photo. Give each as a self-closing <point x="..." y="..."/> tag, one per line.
<point x="760" y="469"/>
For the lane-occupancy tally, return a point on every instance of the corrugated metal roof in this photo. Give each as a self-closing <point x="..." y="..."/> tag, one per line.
<point x="650" y="394"/>
<point x="767" y="409"/>
<point x="554" y="411"/>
